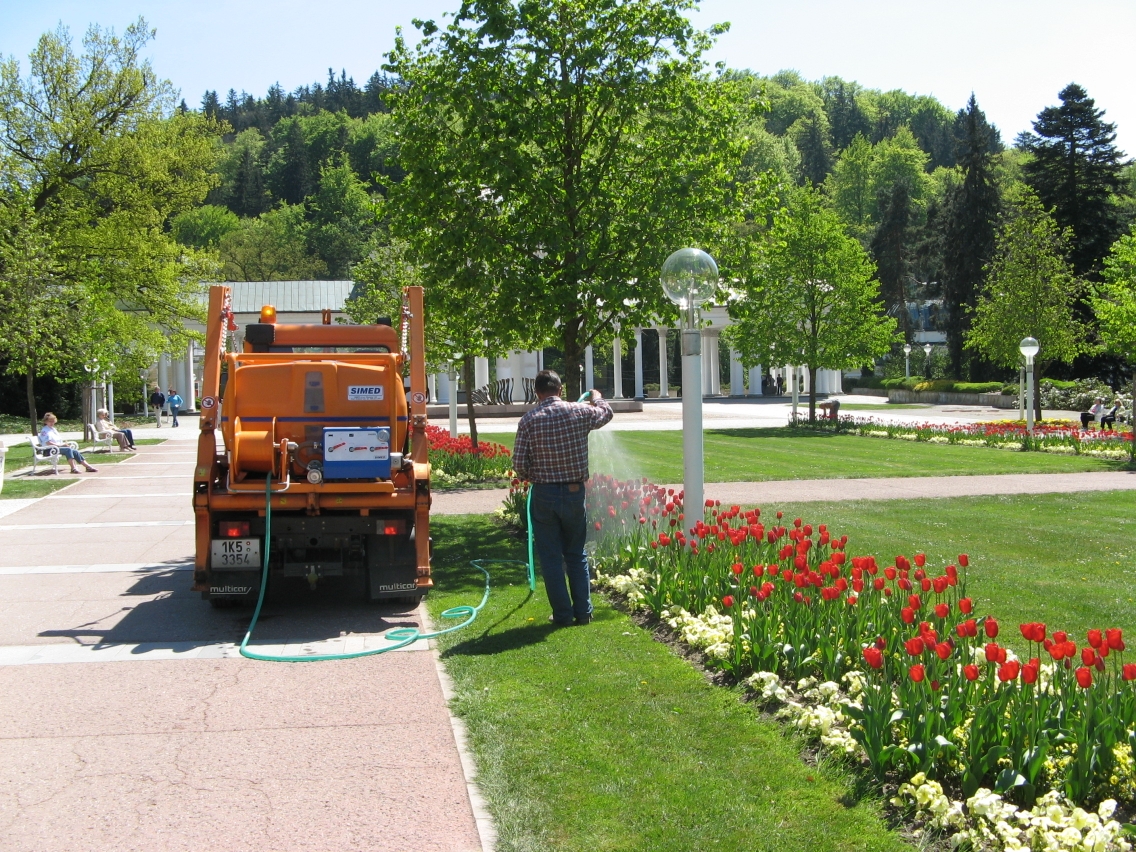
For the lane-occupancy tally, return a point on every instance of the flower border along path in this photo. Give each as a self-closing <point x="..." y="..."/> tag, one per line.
<point x="892" y="667"/>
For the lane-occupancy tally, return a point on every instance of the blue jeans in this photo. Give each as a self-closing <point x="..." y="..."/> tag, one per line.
<point x="560" y="527"/>
<point x="174" y="413"/>
<point x="73" y="455"/>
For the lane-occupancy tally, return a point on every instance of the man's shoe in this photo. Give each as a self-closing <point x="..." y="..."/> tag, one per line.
<point x="587" y="619"/>
<point x="552" y="620"/>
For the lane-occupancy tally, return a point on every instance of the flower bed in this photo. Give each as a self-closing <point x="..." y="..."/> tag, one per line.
<point x="454" y="461"/>
<point x="1054" y="436"/>
<point x="892" y="667"/>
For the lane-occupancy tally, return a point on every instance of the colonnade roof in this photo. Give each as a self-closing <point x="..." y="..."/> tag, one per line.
<point x="293" y="297"/>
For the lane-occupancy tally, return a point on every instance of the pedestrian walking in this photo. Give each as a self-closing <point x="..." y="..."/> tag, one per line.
<point x="157" y="401"/>
<point x="551" y="452"/>
<point x="175" y="403"/>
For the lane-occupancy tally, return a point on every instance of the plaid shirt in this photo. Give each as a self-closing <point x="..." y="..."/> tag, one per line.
<point x="552" y="440"/>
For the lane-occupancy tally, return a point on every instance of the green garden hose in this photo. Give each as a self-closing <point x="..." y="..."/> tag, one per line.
<point x="400" y="636"/>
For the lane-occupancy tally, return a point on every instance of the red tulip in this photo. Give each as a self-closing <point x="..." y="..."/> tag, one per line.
<point x="943" y="649"/>
<point x="970" y="672"/>
<point x="920" y="559"/>
<point x="889" y="573"/>
<point x="753" y="591"/>
<point x="991" y="627"/>
<point x="907" y="614"/>
<point x="881" y="642"/>
<point x="873" y="657"/>
<point x="1088" y="656"/>
<point x="1084" y="678"/>
<point x="992" y="651"/>
<point x="1095" y="638"/>
<point x="964" y="560"/>
<point x="917" y="672"/>
<point x="966" y="606"/>
<point x="914" y="646"/>
<point x="1029" y="672"/>
<point x="942" y="610"/>
<point x="728" y="601"/>
<point x="1009" y="671"/>
<point x="1115" y="638"/>
<point x="1129" y="671"/>
<point x="914" y="601"/>
<point x="1060" y="636"/>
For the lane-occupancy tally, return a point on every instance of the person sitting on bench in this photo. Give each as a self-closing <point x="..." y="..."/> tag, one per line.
<point x="49" y="437"/>
<point x="1094" y="413"/>
<point x="124" y="437"/>
<point x="1108" y="419"/>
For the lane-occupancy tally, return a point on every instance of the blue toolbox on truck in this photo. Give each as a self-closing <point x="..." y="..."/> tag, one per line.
<point x="353" y="453"/>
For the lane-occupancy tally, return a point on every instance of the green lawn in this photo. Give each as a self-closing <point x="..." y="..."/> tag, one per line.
<point x="748" y="455"/>
<point x="27" y="487"/>
<point x="883" y="406"/>
<point x="600" y="738"/>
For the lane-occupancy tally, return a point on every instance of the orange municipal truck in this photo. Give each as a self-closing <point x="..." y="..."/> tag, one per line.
<point x="327" y="423"/>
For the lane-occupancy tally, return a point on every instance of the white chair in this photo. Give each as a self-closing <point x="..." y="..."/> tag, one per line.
<point x="47" y="454"/>
<point x="103" y="440"/>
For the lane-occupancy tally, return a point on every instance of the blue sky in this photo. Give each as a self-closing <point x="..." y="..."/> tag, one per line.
<point x="1014" y="54"/>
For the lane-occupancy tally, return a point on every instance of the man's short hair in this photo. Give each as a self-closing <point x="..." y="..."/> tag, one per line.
<point x="547" y="381"/>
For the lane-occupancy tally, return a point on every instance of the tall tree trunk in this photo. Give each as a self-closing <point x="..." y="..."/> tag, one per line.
<point x="467" y="380"/>
<point x="573" y="360"/>
<point x="33" y="415"/>
<point x="812" y="393"/>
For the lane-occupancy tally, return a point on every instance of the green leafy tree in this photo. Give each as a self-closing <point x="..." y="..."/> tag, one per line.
<point x="341" y="218"/>
<point x="805" y="294"/>
<point x="850" y="185"/>
<point x="203" y="227"/>
<point x="556" y="151"/>
<point x="97" y="160"/>
<point x="271" y="247"/>
<point x="1114" y="304"/>
<point x="969" y="223"/>
<point x="1076" y="171"/>
<point x="1030" y="291"/>
<point x="898" y="159"/>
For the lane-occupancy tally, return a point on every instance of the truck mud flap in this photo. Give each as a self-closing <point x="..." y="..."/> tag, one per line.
<point x="392" y="567"/>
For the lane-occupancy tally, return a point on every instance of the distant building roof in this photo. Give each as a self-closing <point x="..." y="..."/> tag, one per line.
<point x="289" y="296"/>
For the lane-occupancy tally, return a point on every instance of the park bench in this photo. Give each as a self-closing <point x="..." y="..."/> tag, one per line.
<point x="42" y="454"/>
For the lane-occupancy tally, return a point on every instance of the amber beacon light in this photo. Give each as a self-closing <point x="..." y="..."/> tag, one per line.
<point x="268" y="314"/>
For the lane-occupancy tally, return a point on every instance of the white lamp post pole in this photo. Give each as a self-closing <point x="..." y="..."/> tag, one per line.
<point x="907" y="360"/>
<point x="453" y="399"/>
<point x="1029" y="347"/>
<point x="689" y="278"/>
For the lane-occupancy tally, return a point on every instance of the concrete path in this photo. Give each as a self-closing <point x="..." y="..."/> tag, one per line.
<point x="128" y="722"/>
<point x="837" y="490"/>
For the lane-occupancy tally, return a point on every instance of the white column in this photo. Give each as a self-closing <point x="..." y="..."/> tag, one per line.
<point x="452" y="398"/>
<point x="442" y="388"/>
<point x="737" y="375"/>
<point x="589" y="369"/>
<point x="190" y="396"/>
<point x="664" y="390"/>
<point x="755" y="381"/>
<point x="480" y="373"/>
<point x="805" y="378"/>
<point x="110" y="398"/>
<point x="711" y="379"/>
<point x="617" y="372"/>
<point x="693" y="462"/>
<point x="432" y="387"/>
<point x="163" y="372"/>
<point x="639" y="363"/>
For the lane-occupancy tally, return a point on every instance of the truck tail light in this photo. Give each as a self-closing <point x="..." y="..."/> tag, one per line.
<point x="395" y="527"/>
<point x="233" y="529"/>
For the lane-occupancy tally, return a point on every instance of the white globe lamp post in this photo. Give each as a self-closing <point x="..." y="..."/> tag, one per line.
<point x="927" y="363"/>
<point x="907" y="360"/>
<point x="689" y="278"/>
<point x="1029" y="347"/>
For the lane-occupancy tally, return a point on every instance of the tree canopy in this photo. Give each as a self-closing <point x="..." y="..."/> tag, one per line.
<point x="556" y="152"/>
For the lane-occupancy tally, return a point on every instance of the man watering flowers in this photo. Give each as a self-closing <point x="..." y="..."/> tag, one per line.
<point x="551" y="452"/>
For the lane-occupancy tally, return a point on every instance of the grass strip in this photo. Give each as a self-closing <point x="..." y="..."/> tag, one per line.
<point x="1065" y="559"/>
<point x="27" y="488"/>
<point x="754" y="455"/>
<point x="600" y="738"/>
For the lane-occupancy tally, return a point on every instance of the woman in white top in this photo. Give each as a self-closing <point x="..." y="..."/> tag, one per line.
<point x="124" y="437"/>
<point x="50" y="437"/>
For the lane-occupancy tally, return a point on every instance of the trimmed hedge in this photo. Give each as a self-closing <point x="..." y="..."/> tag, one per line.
<point x="919" y="384"/>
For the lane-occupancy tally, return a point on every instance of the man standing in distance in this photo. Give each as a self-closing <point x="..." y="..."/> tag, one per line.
<point x="551" y="452"/>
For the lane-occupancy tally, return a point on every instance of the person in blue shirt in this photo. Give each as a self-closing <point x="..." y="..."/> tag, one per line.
<point x="175" y="403"/>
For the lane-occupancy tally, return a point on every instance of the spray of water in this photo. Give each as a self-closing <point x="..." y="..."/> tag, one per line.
<point x="606" y="457"/>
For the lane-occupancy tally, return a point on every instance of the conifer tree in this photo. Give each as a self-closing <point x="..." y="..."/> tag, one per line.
<point x="969" y="226"/>
<point x="1076" y="171"/>
<point x="890" y="251"/>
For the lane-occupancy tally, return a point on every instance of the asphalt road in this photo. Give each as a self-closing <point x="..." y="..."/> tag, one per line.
<point x="129" y="722"/>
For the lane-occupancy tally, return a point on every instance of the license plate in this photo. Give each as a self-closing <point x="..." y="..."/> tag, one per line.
<point x="236" y="553"/>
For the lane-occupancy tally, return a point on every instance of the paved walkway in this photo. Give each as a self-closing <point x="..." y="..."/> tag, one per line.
<point x="128" y="722"/>
<point x="837" y="490"/>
